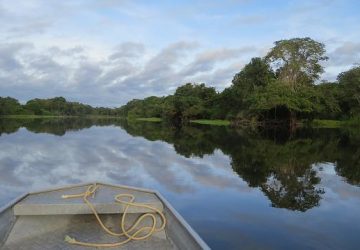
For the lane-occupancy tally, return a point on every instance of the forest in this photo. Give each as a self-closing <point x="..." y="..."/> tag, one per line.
<point x="57" y="106"/>
<point x="282" y="86"/>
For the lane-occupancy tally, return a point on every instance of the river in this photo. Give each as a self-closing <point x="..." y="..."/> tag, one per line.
<point x="263" y="189"/>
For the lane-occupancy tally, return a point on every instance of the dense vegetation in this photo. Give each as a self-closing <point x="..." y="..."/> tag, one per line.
<point x="283" y="86"/>
<point x="57" y="106"/>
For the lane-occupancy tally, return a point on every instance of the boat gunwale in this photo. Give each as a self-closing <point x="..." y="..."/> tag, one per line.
<point x="183" y="222"/>
<point x="90" y="183"/>
<point x="12" y="202"/>
<point x="178" y="217"/>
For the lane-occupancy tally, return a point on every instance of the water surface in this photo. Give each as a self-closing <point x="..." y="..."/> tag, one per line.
<point x="237" y="188"/>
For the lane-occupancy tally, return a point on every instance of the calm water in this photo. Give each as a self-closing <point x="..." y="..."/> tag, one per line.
<point x="264" y="189"/>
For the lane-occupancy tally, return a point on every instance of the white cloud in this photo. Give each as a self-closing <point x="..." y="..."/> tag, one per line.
<point x="128" y="71"/>
<point x="108" y="52"/>
<point x="347" y="53"/>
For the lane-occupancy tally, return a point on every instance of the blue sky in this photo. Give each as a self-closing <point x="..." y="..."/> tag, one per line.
<point x="108" y="52"/>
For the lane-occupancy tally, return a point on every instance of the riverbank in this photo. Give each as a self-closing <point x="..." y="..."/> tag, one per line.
<point x="58" y="116"/>
<point x="316" y="123"/>
<point x="149" y="119"/>
<point x="212" y="122"/>
<point x="33" y="116"/>
<point x="200" y="121"/>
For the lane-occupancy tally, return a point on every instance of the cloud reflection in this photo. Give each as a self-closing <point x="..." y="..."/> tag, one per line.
<point x="32" y="161"/>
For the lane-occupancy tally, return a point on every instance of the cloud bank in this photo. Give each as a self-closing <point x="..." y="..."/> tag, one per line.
<point x="106" y="53"/>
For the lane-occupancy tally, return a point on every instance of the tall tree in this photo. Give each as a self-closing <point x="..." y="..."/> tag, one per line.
<point x="255" y="75"/>
<point x="9" y="106"/>
<point x="349" y="82"/>
<point x="297" y="61"/>
<point x="329" y="95"/>
<point x="278" y="101"/>
<point x="192" y="101"/>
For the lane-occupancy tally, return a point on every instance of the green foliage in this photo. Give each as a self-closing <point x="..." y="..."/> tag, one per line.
<point x="192" y="101"/>
<point x="34" y="106"/>
<point x="349" y="82"/>
<point x="57" y="106"/>
<point x="148" y="107"/>
<point x="150" y="119"/>
<point x="326" y="123"/>
<point x="353" y="122"/>
<point x="10" y="106"/>
<point x="228" y="103"/>
<point x="330" y="97"/>
<point x="277" y="96"/>
<point x="297" y="60"/>
<point x="255" y="76"/>
<point x="212" y="122"/>
<point x="257" y="73"/>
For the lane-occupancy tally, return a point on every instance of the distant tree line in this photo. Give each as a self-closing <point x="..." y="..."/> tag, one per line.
<point x="278" y="87"/>
<point x="57" y="106"/>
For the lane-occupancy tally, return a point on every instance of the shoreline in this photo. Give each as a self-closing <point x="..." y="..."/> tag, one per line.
<point x="316" y="123"/>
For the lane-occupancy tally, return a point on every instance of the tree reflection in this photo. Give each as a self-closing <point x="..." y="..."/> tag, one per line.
<point x="280" y="164"/>
<point x="55" y="126"/>
<point x="282" y="171"/>
<point x="348" y="165"/>
<point x="8" y="126"/>
<point x="293" y="191"/>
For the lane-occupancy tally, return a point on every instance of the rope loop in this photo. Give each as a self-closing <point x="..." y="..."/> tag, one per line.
<point x="130" y="233"/>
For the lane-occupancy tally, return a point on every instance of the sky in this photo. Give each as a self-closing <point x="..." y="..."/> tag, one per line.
<point x="107" y="52"/>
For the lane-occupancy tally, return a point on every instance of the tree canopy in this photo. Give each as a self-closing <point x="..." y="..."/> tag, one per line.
<point x="57" y="106"/>
<point x="297" y="61"/>
<point x="9" y="106"/>
<point x="349" y="82"/>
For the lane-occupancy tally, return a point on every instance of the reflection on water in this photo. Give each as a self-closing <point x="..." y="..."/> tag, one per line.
<point x="237" y="188"/>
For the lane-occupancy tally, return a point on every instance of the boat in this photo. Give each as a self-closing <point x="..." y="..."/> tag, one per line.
<point x="84" y="216"/>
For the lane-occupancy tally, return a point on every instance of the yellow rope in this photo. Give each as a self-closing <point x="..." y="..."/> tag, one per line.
<point x="130" y="234"/>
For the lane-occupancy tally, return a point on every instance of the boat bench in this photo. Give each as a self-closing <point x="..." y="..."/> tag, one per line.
<point x="52" y="203"/>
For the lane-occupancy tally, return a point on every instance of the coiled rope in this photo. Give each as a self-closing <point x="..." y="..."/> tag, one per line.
<point x="130" y="233"/>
